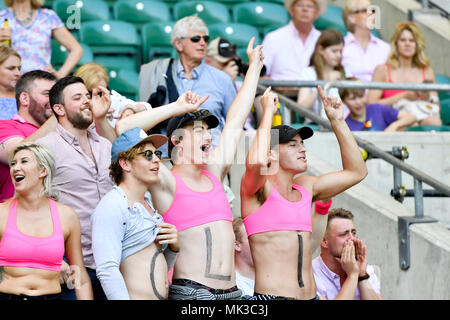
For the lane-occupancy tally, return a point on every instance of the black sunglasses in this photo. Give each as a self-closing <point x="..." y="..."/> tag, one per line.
<point x="197" y="38"/>
<point x="149" y="154"/>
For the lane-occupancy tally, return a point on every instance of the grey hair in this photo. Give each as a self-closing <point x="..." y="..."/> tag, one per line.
<point x="186" y="24"/>
<point x="45" y="160"/>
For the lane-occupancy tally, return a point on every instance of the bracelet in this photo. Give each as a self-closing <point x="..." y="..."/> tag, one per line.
<point x="364" y="277"/>
<point x="322" y="208"/>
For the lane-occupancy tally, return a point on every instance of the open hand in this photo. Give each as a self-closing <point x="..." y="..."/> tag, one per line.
<point x="348" y="258"/>
<point x="361" y="256"/>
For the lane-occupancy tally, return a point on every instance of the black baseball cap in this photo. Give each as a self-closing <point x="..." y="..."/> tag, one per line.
<point x="190" y="117"/>
<point x="286" y="133"/>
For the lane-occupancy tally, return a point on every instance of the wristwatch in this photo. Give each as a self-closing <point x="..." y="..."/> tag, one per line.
<point x="364" y="277"/>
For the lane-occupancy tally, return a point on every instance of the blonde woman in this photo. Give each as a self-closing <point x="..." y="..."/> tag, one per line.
<point x="36" y="232"/>
<point x="10" y="64"/>
<point x="362" y="50"/>
<point x="94" y="75"/>
<point x="408" y="63"/>
<point x="30" y="31"/>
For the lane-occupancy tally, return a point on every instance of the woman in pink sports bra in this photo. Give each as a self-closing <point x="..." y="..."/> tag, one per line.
<point x="276" y="205"/>
<point x="36" y="232"/>
<point x="407" y="63"/>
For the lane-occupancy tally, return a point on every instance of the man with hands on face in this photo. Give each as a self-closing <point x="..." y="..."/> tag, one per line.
<point x="276" y="203"/>
<point x="342" y="271"/>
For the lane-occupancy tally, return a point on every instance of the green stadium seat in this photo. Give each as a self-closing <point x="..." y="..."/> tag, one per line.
<point x="208" y="11"/>
<point x="59" y="54"/>
<point x="140" y="12"/>
<point x="445" y="111"/>
<point x="260" y="14"/>
<point x="429" y="128"/>
<point x="156" y="41"/>
<point x="442" y="78"/>
<point x="89" y="9"/>
<point x="230" y="3"/>
<point x="47" y="4"/>
<point x="331" y="19"/>
<point x="112" y="38"/>
<point x="124" y="81"/>
<point x="237" y="33"/>
<point x="117" y="62"/>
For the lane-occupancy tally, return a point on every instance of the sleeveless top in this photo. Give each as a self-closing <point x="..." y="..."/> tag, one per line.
<point x="389" y="93"/>
<point x="191" y="208"/>
<point x="277" y="214"/>
<point x="20" y="250"/>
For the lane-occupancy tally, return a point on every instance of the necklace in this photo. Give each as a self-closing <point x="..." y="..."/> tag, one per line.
<point x="27" y="21"/>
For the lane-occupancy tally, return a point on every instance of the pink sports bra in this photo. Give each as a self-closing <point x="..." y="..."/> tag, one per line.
<point x="278" y="214"/>
<point x="394" y="92"/>
<point x="20" y="250"/>
<point x="191" y="208"/>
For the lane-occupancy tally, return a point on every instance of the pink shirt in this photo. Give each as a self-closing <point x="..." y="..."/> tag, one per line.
<point x="285" y="54"/>
<point x="14" y="127"/>
<point x="82" y="182"/>
<point x="361" y="63"/>
<point x="329" y="285"/>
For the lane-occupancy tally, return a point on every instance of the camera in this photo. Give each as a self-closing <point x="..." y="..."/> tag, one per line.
<point x="243" y="67"/>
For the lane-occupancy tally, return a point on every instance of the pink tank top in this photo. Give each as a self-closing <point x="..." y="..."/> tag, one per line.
<point x="191" y="208"/>
<point x="394" y="92"/>
<point x="278" y="214"/>
<point x="20" y="250"/>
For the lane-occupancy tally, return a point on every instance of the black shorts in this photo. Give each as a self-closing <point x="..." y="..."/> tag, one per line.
<point x="23" y="297"/>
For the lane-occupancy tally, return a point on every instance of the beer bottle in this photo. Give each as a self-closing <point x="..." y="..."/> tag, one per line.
<point x="8" y="41"/>
<point x="277" y="119"/>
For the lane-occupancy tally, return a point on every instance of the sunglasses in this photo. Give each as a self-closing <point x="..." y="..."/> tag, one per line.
<point x="366" y="10"/>
<point x="197" y="38"/>
<point x="149" y="154"/>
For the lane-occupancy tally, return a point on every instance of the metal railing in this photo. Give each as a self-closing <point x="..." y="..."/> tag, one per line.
<point x="441" y="189"/>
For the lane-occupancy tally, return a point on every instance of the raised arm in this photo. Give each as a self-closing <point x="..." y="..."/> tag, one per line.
<point x="354" y="168"/>
<point x="100" y="103"/>
<point x="319" y="222"/>
<point x="146" y="120"/>
<point x="238" y="112"/>
<point x="258" y="156"/>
